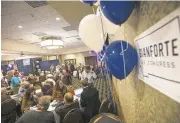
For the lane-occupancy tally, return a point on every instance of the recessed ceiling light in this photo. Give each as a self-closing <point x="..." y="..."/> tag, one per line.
<point x="20" y="27"/>
<point x="44" y="21"/>
<point x="57" y="18"/>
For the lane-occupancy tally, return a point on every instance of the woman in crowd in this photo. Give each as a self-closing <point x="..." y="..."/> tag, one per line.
<point x="59" y="91"/>
<point x="23" y="87"/>
<point x="71" y="90"/>
<point x="66" y="78"/>
<point x="47" y="87"/>
<point x="41" y="115"/>
<point x="4" y="82"/>
<point x="27" y="100"/>
<point x="57" y="76"/>
<point x="15" y="82"/>
<point x="32" y="79"/>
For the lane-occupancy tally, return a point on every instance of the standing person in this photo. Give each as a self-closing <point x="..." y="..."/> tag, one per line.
<point x="59" y="91"/>
<point x="89" y="100"/>
<point x="9" y="77"/>
<point x="8" y="108"/>
<point x="41" y="115"/>
<point x="15" y="82"/>
<point x="23" y="87"/>
<point x="88" y="74"/>
<point x="4" y="82"/>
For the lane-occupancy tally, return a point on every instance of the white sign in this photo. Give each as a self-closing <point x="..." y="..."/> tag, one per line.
<point x="159" y="55"/>
<point x="26" y="62"/>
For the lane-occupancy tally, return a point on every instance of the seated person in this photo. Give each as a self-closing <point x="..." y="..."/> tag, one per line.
<point x="41" y="115"/>
<point x="63" y="108"/>
<point x="8" y="108"/>
<point x="27" y="100"/>
<point x="89" y="100"/>
<point x="59" y="91"/>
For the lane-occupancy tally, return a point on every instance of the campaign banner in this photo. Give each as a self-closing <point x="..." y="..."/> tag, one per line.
<point x="159" y="55"/>
<point x="26" y="62"/>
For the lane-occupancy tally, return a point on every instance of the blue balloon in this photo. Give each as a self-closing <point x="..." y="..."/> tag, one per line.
<point x="115" y="62"/>
<point x="90" y="2"/>
<point x="117" y="11"/>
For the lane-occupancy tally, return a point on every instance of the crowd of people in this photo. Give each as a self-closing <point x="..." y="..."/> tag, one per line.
<point x="28" y="99"/>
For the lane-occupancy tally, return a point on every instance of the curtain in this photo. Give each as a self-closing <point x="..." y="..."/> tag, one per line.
<point x="45" y="65"/>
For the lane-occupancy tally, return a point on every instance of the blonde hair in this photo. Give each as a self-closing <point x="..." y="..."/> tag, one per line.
<point x="3" y="90"/>
<point x="44" y="102"/>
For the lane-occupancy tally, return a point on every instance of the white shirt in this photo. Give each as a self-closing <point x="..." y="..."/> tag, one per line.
<point x="90" y="76"/>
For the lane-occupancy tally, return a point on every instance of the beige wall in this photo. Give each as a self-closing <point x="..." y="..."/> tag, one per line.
<point x="140" y="103"/>
<point x="80" y="57"/>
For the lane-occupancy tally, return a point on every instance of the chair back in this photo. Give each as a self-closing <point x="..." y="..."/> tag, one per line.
<point x="104" y="108"/>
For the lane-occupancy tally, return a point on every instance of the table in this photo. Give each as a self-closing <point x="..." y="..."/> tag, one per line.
<point x="16" y="97"/>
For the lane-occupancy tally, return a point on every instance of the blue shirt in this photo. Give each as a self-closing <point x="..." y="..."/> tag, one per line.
<point x="15" y="81"/>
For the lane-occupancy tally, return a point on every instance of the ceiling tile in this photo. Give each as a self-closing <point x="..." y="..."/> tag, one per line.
<point x="35" y="21"/>
<point x="9" y="7"/>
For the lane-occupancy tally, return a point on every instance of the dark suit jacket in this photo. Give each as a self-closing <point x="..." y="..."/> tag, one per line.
<point x="63" y="109"/>
<point x="90" y="101"/>
<point x="8" y="109"/>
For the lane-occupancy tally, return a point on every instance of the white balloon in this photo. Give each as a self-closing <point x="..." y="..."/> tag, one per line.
<point x="90" y="31"/>
<point x="109" y="27"/>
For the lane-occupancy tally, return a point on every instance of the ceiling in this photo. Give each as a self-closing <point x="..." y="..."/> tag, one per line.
<point x="72" y="11"/>
<point x="38" y="19"/>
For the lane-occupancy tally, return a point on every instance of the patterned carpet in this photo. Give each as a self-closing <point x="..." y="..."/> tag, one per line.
<point x="100" y="84"/>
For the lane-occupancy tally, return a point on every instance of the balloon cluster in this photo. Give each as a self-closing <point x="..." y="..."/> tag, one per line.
<point x="9" y="67"/>
<point x="37" y="64"/>
<point x="119" y="56"/>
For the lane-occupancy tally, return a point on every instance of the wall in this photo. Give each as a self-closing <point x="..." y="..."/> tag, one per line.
<point x="80" y="57"/>
<point x="140" y="103"/>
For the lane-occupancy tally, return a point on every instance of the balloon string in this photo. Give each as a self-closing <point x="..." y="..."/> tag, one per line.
<point x="127" y="41"/>
<point x="123" y="60"/>
<point x="102" y="25"/>
<point x="101" y="22"/>
<point x="93" y="10"/>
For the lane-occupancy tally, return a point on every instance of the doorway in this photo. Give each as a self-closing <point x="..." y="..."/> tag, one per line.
<point x="91" y="60"/>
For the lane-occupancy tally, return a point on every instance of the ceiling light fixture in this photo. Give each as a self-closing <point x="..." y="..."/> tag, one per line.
<point x="52" y="43"/>
<point x="20" y="27"/>
<point x="57" y="18"/>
